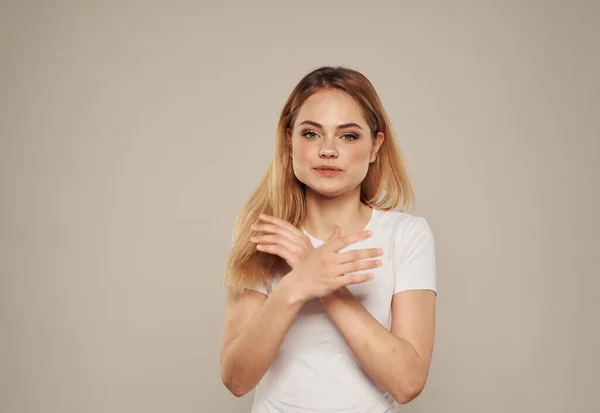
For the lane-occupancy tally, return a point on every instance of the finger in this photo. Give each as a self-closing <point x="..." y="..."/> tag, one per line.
<point x="354" y="279"/>
<point x="273" y="229"/>
<point x="282" y="223"/>
<point x="277" y="229"/>
<point x="277" y="240"/>
<point x="291" y="242"/>
<point x="341" y="242"/>
<point x="335" y="234"/>
<point x="356" y="255"/>
<point x="276" y="250"/>
<point x="359" y="266"/>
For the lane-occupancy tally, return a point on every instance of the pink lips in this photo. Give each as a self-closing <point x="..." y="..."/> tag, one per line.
<point x="328" y="170"/>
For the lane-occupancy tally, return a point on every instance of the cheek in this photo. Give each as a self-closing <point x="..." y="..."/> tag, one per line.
<point x="359" y="157"/>
<point x="300" y="160"/>
<point x="302" y="153"/>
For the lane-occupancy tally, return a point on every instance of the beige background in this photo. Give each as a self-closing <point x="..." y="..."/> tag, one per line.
<point x="133" y="132"/>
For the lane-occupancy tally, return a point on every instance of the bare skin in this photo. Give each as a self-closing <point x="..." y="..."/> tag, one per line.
<point x="330" y="130"/>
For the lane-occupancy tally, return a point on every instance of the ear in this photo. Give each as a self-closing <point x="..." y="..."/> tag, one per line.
<point x="377" y="142"/>
<point x="288" y="138"/>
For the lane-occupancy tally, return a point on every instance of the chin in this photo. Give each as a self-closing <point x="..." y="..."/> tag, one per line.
<point x="327" y="187"/>
<point x="328" y="194"/>
<point x="327" y="191"/>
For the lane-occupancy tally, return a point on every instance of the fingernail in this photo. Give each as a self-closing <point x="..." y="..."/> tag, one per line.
<point x="379" y="251"/>
<point x="379" y="263"/>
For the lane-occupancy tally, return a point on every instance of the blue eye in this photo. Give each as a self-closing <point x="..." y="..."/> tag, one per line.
<point x="348" y="137"/>
<point x="309" y="134"/>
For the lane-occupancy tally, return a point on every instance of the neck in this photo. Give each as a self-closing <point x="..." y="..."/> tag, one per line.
<point x="345" y="211"/>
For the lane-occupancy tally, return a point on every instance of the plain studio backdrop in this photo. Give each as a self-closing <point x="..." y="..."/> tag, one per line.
<point x="133" y="132"/>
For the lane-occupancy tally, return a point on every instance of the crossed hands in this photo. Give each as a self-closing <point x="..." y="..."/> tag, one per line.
<point x="316" y="272"/>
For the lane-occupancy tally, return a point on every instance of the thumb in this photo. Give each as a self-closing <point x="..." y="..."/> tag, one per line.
<point x="336" y="233"/>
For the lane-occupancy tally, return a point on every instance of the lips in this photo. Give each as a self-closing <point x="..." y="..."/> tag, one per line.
<point x="327" y="168"/>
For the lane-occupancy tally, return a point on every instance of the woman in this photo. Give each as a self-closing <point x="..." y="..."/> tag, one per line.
<point x="330" y="292"/>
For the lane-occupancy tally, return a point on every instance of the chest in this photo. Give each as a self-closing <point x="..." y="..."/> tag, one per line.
<point x="313" y="327"/>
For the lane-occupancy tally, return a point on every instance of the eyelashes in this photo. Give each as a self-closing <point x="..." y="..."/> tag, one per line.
<point x="310" y="134"/>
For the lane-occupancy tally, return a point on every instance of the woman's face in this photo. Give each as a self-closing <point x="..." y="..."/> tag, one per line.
<point x="330" y="131"/>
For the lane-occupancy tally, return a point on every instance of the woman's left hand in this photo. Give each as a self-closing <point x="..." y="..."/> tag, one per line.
<point x="281" y="238"/>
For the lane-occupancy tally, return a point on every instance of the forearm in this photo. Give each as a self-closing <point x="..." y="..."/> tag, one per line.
<point x="389" y="360"/>
<point x="247" y="357"/>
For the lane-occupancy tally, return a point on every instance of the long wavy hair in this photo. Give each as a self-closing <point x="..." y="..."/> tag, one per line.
<point x="280" y="194"/>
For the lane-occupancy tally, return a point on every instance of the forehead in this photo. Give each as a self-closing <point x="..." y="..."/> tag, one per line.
<point x="331" y="107"/>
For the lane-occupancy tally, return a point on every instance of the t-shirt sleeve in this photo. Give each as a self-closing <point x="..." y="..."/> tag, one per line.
<point x="415" y="269"/>
<point x="261" y="286"/>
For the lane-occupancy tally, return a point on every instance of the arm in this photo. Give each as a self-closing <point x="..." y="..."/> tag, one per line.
<point x="398" y="359"/>
<point x="254" y="328"/>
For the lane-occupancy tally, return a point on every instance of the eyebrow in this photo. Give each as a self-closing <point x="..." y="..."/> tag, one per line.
<point x="317" y="125"/>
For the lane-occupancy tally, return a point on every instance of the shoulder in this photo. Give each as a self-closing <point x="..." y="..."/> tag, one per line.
<point x="404" y="224"/>
<point x="404" y="234"/>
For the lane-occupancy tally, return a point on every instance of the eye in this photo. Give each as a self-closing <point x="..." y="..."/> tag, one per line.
<point x="350" y="137"/>
<point x="309" y="134"/>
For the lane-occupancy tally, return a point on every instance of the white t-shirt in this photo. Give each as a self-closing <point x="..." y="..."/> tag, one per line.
<point x="315" y="370"/>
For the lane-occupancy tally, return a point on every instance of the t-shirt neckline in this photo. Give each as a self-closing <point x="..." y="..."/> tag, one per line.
<point x="317" y="241"/>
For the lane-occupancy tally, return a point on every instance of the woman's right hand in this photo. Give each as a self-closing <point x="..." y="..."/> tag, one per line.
<point x="325" y="269"/>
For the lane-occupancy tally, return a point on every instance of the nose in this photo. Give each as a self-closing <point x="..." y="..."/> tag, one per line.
<point x="328" y="150"/>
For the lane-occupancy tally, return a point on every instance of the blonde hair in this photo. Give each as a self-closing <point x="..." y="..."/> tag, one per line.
<point x="280" y="194"/>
